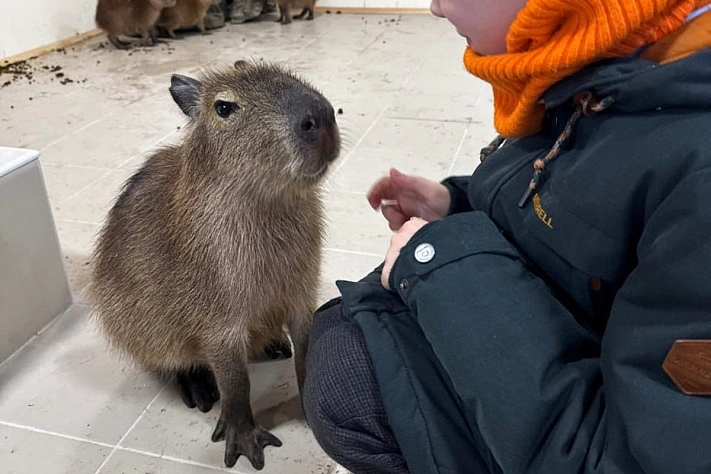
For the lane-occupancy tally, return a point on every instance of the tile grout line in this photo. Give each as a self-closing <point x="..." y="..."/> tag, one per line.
<point x="123" y="438"/>
<point x="362" y="137"/>
<point x="352" y="252"/>
<point x="411" y="75"/>
<point x="76" y="221"/>
<point x="173" y="459"/>
<point x="54" y="320"/>
<point x="84" y="167"/>
<point x="425" y="119"/>
<point x="456" y="153"/>
<point x="73" y="195"/>
<point x="152" y="145"/>
<point x="71" y="134"/>
<point x="114" y="448"/>
<point x="354" y="58"/>
<point x="346" y="191"/>
<point x="53" y="433"/>
<point x="111" y="170"/>
<point x="478" y="100"/>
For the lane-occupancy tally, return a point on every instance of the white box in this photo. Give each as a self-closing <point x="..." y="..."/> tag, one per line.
<point x="33" y="284"/>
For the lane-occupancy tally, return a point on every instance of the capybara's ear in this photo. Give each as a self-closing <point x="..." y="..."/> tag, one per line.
<point x="186" y="93"/>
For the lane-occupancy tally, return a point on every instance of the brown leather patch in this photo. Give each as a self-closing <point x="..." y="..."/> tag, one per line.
<point x="688" y="364"/>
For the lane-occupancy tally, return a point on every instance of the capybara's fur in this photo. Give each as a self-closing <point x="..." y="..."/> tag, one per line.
<point x="285" y="6"/>
<point x="214" y="245"/>
<point x="185" y="14"/>
<point x="128" y="18"/>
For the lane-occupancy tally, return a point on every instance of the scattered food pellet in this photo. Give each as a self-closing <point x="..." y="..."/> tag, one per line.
<point x="59" y="74"/>
<point x="340" y="111"/>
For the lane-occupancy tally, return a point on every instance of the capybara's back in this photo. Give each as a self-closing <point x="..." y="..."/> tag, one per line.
<point x="129" y="17"/>
<point x="135" y="255"/>
<point x="285" y="6"/>
<point x="185" y="14"/>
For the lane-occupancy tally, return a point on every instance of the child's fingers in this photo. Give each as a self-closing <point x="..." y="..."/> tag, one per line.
<point x="382" y="189"/>
<point x="394" y="216"/>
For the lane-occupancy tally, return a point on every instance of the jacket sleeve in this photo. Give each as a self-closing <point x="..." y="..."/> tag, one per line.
<point x="544" y="392"/>
<point x="458" y="187"/>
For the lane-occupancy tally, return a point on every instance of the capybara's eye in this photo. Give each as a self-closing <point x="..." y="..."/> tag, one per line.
<point x="224" y="109"/>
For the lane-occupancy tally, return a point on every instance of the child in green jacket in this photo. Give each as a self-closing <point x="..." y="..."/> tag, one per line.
<point x="550" y="313"/>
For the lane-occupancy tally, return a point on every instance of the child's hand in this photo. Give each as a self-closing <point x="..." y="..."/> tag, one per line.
<point x="401" y="197"/>
<point x="397" y="242"/>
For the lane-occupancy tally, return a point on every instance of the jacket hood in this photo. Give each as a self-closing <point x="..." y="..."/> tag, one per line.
<point x="639" y="85"/>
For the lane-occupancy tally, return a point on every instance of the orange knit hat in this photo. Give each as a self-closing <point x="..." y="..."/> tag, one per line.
<point x="551" y="39"/>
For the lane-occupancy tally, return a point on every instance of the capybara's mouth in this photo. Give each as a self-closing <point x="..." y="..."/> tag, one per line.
<point x="313" y="170"/>
<point x="316" y="158"/>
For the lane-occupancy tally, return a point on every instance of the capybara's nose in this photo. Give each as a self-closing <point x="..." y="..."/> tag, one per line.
<point x="315" y="117"/>
<point x="309" y="128"/>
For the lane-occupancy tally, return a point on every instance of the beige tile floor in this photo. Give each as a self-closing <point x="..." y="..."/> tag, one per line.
<point x="67" y="405"/>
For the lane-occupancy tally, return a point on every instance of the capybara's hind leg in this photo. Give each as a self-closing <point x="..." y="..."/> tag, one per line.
<point x="280" y="346"/>
<point x="301" y="15"/>
<point x="198" y="388"/>
<point x="118" y="43"/>
<point x="285" y="16"/>
<point x="311" y="14"/>
<point x="153" y="35"/>
<point x="147" y="38"/>
<point x="236" y="425"/>
<point x="201" y="28"/>
<point x="300" y="330"/>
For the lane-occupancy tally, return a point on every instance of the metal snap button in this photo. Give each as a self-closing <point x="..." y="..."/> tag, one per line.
<point x="424" y="253"/>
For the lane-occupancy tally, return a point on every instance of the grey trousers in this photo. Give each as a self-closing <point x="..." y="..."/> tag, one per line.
<point x="342" y="400"/>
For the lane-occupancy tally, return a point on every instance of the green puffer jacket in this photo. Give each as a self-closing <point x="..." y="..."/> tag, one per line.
<point x="531" y="338"/>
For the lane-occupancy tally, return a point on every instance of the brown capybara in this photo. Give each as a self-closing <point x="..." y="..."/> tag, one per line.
<point x="285" y="6"/>
<point x="128" y="18"/>
<point x="185" y="14"/>
<point x="214" y="245"/>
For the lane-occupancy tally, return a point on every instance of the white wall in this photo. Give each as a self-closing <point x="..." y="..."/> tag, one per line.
<point x="29" y="24"/>
<point x="373" y="3"/>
